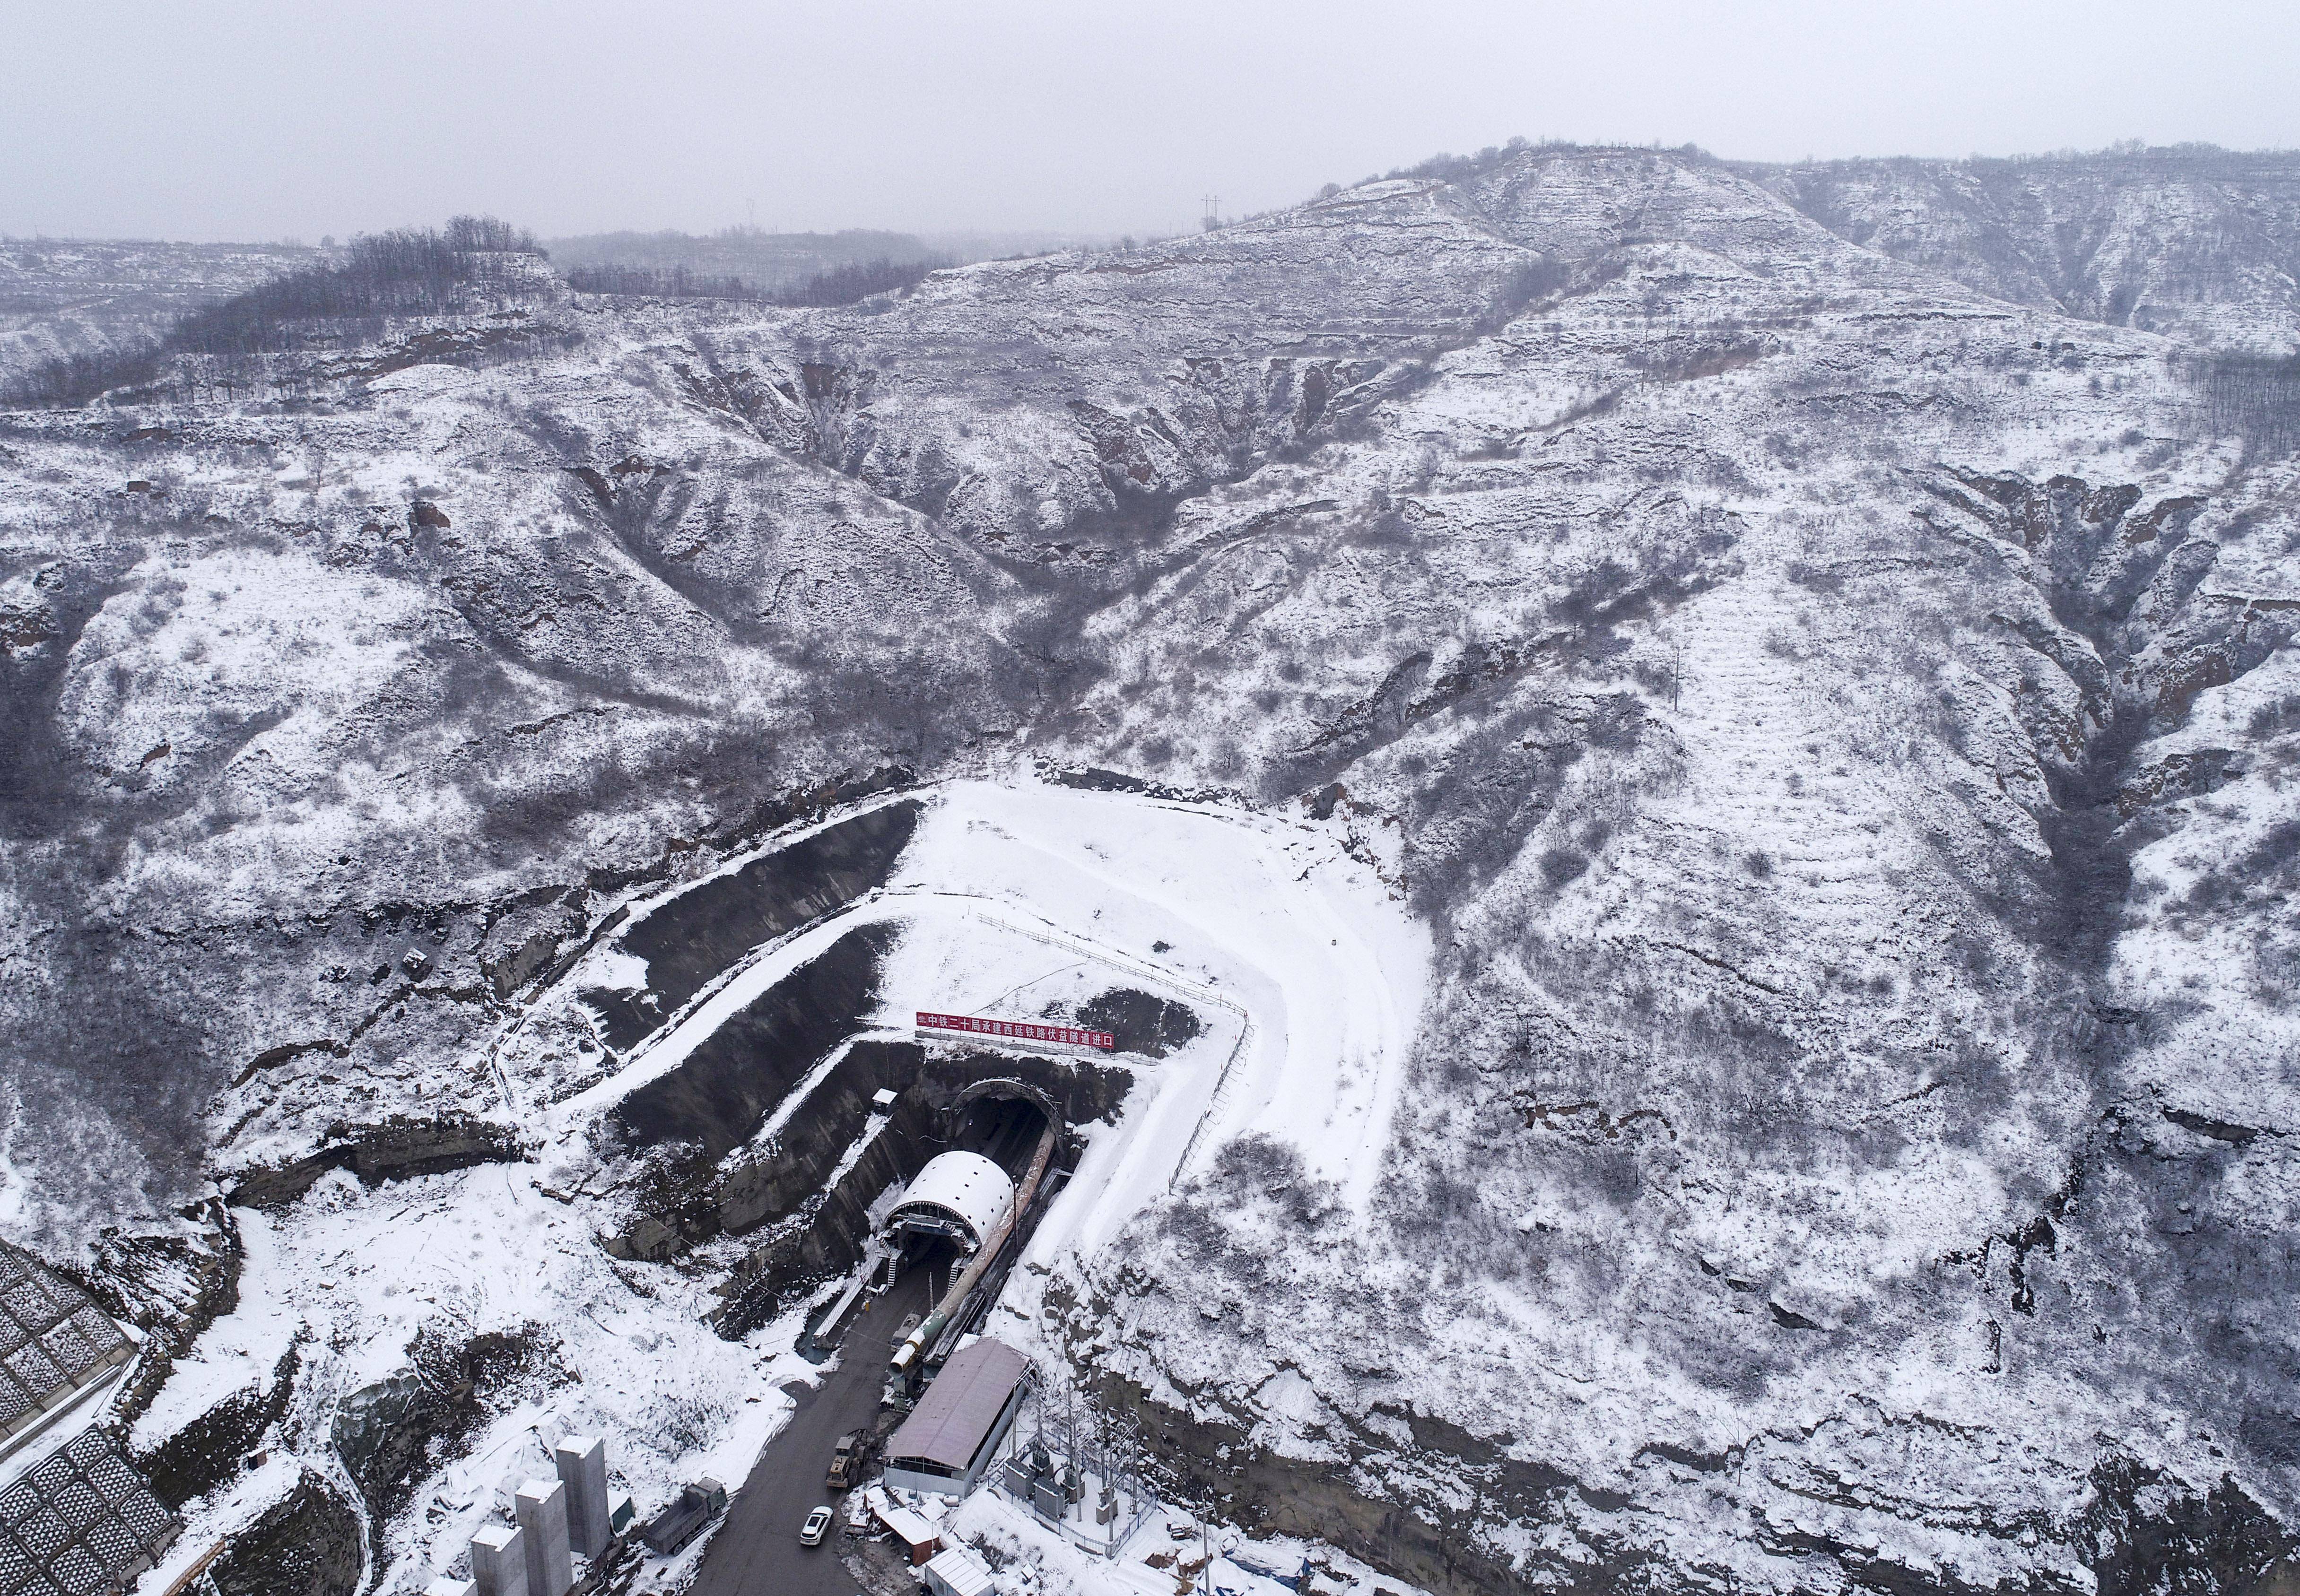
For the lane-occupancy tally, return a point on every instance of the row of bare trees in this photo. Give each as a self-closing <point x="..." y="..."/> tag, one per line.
<point x="845" y="284"/>
<point x="645" y="282"/>
<point x="409" y="271"/>
<point x="2255" y="398"/>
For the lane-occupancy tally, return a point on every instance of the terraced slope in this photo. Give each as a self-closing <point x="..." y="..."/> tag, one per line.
<point x="1832" y="719"/>
<point x="2198" y="243"/>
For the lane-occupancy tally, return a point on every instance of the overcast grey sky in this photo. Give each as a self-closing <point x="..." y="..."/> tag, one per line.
<point x="260" y="119"/>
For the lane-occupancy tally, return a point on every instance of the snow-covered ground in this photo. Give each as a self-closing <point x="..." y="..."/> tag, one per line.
<point x="1704" y="628"/>
<point x="1266" y="925"/>
<point x="1168" y="1554"/>
<point x="358" y="1275"/>
<point x="1306" y="972"/>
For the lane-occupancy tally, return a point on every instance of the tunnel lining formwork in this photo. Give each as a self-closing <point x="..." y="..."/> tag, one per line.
<point x="814" y="1232"/>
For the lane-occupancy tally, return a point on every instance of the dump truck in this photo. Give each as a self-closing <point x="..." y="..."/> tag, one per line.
<point x="693" y="1507"/>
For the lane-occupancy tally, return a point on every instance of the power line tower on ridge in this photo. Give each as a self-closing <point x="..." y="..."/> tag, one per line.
<point x="1211" y="219"/>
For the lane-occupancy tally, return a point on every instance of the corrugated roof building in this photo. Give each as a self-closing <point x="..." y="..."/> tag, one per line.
<point x="952" y="1434"/>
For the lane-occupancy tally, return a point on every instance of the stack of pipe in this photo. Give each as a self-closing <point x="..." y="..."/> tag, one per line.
<point x="906" y="1357"/>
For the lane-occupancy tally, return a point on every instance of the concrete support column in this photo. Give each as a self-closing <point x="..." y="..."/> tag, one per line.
<point x="499" y="1561"/>
<point x="542" y="1508"/>
<point x="582" y="1461"/>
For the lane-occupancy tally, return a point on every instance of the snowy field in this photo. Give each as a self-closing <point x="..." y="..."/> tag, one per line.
<point x="1264" y="925"/>
<point x="1039" y="1562"/>
<point x="1306" y="976"/>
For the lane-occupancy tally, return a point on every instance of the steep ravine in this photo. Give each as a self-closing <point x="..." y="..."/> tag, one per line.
<point x="1834" y="717"/>
<point x="1416" y="1509"/>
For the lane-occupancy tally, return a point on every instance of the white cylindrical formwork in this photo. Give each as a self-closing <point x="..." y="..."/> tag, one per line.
<point x="499" y="1560"/>
<point x="582" y="1461"/>
<point x="542" y="1508"/>
<point x="961" y="1195"/>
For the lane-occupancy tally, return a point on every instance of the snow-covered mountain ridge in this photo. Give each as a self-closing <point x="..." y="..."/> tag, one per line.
<point x="2198" y="243"/>
<point x="60" y="297"/>
<point x="1833" y="722"/>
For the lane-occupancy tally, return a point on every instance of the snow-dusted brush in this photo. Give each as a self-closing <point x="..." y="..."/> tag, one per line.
<point x="1671" y="780"/>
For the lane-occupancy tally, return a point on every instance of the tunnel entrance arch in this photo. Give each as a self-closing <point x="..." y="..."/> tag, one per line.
<point x="1003" y="1116"/>
<point x="1007" y="1089"/>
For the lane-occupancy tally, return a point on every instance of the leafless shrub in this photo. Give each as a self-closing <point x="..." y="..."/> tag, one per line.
<point x="2273" y="720"/>
<point x="1560" y="864"/>
<point x="405" y="273"/>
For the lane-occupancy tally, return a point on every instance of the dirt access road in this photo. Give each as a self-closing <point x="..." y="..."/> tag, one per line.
<point x="755" y="1552"/>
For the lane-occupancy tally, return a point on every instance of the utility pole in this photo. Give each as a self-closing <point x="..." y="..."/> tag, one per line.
<point x="1211" y="217"/>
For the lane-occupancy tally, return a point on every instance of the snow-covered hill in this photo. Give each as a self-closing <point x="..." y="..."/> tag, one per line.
<point x="2198" y="243"/>
<point x="1828" y="712"/>
<point x="67" y="296"/>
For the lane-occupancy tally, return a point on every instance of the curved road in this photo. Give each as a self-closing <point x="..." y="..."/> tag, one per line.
<point x="755" y="1552"/>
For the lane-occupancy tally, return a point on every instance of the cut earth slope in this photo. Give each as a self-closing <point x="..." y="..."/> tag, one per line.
<point x="1815" y="716"/>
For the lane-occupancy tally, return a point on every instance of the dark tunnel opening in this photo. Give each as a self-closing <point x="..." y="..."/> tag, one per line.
<point x="1004" y="1130"/>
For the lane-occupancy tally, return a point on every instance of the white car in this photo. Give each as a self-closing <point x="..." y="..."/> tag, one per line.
<point x="818" y="1524"/>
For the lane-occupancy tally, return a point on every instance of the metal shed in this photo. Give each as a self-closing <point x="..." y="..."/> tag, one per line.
<point x="919" y="1536"/>
<point x="950" y="1436"/>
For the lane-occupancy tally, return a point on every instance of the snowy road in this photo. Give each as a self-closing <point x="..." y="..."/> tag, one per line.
<point x="755" y="1550"/>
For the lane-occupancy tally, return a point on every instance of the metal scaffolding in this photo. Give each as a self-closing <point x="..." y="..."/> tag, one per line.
<point x="1077" y="1470"/>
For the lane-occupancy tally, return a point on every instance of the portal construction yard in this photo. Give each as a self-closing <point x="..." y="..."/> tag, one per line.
<point x="935" y="1047"/>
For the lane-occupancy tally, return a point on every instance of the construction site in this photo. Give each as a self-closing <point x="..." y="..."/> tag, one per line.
<point x="788" y="1152"/>
<point x="940" y="1244"/>
<point x="949" y="1410"/>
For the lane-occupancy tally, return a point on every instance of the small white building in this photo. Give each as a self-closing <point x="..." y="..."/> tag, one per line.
<point x="960" y="1572"/>
<point x="951" y="1437"/>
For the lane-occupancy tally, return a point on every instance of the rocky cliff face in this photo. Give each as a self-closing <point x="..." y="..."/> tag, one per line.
<point x="1834" y="694"/>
